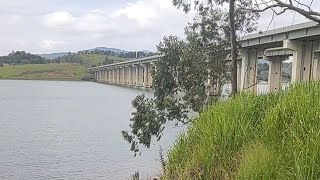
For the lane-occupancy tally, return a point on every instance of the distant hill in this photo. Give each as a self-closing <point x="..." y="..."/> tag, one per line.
<point x="53" y="55"/>
<point x="109" y="49"/>
<point x="115" y="50"/>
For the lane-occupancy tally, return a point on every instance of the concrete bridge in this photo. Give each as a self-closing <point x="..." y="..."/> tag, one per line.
<point x="301" y="42"/>
<point x="135" y="73"/>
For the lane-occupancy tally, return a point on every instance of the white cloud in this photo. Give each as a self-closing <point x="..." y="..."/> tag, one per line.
<point x="139" y="25"/>
<point x="11" y="19"/>
<point x="139" y="11"/>
<point x="59" y="19"/>
<point x="41" y="26"/>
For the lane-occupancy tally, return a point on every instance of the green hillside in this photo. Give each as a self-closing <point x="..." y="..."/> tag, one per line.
<point x="253" y="137"/>
<point x="63" y="71"/>
<point x="96" y="59"/>
<point x="21" y="65"/>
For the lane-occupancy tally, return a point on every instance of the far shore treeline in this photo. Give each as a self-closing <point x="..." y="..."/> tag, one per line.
<point x="67" y="66"/>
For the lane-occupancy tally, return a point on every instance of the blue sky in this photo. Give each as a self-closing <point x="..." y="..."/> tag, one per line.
<point x="44" y="26"/>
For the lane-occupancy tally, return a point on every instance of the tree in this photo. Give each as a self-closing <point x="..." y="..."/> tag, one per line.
<point x="238" y="20"/>
<point x="108" y="60"/>
<point x="189" y="68"/>
<point x="279" y="7"/>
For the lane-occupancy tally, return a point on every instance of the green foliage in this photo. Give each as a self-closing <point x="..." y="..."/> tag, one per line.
<point x="253" y="137"/>
<point x="118" y="53"/>
<point x="108" y="60"/>
<point x="191" y="70"/>
<point x="21" y="57"/>
<point x="181" y="81"/>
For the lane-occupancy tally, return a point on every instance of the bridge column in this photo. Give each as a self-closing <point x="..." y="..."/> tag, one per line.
<point x="275" y="74"/>
<point x="123" y="75"/>
<point x="95" y="75"/>
<point x="316" y="66"/>
<point x="118" y="75"/>
<point x="146" y="75"/>
<point x="103" y="75"/>
<point x="239" y="68"/>
<point x="99" y="72"/>
<point x="141" y="75"/>
<point x="303" y="56"/>
<point x="129" y="75"/>
<point x="136" y="82"/>
<point x="109" y="75"/>
<point x="316" y="62"/>
<point x="114" y="71"/>
<point x="150" y="78"/>
<point x="249" y="70"/>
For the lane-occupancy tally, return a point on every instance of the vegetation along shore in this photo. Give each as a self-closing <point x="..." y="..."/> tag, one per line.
<point x="273" y="136"/>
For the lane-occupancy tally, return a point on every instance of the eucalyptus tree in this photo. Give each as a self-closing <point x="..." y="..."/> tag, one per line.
<point x="239" y="19"/>
<point x="183" y="80"/>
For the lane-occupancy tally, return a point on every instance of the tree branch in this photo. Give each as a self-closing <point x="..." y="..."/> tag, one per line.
<point x="310" y="14"/>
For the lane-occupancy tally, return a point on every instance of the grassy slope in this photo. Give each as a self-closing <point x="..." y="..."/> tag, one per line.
<point x="253" y="137"/>
<point x="63" y="71"/>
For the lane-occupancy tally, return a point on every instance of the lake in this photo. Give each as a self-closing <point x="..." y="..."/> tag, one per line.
<point x="70" y="130"/>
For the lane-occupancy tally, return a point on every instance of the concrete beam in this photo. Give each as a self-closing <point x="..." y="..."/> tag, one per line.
<point x="299" y="31"/>
<point x="280" y="51"/>
<point x="132" y="62"/>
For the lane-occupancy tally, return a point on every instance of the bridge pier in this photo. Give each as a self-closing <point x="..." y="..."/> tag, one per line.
<point x="141" y="77"/>
<point x="146" y="75"/>
<point x="275" y="74"/>
<point x="305" y="61"/>
<point x="249" y="70"/>
<point x="239" y="72"/>
<point x="316" y="67"/>
<point x="118" y="76"/>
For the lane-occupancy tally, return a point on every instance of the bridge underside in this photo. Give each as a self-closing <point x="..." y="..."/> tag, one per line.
<point x="135" y="73"/>
<point x="305" y="64"/>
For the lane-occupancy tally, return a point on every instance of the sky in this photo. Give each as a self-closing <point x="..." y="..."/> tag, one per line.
<point x="47" y="26"/>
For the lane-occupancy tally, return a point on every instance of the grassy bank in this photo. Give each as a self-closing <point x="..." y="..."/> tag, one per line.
<point x="253" y="137"/>
<point x="63" y="71"/>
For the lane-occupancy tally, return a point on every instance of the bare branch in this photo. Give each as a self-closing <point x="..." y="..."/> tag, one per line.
<point x="310" y="14"/>
<point x="298" y="2"/>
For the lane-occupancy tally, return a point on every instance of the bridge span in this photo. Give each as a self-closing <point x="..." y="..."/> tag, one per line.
<point x="136" y="73"/>
<point x="301" y="42"/>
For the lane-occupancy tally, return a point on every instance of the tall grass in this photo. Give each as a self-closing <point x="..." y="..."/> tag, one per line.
<point x="273" y="136"/>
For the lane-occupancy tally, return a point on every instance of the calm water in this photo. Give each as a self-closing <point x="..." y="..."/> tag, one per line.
<point x="69" y="130"/>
